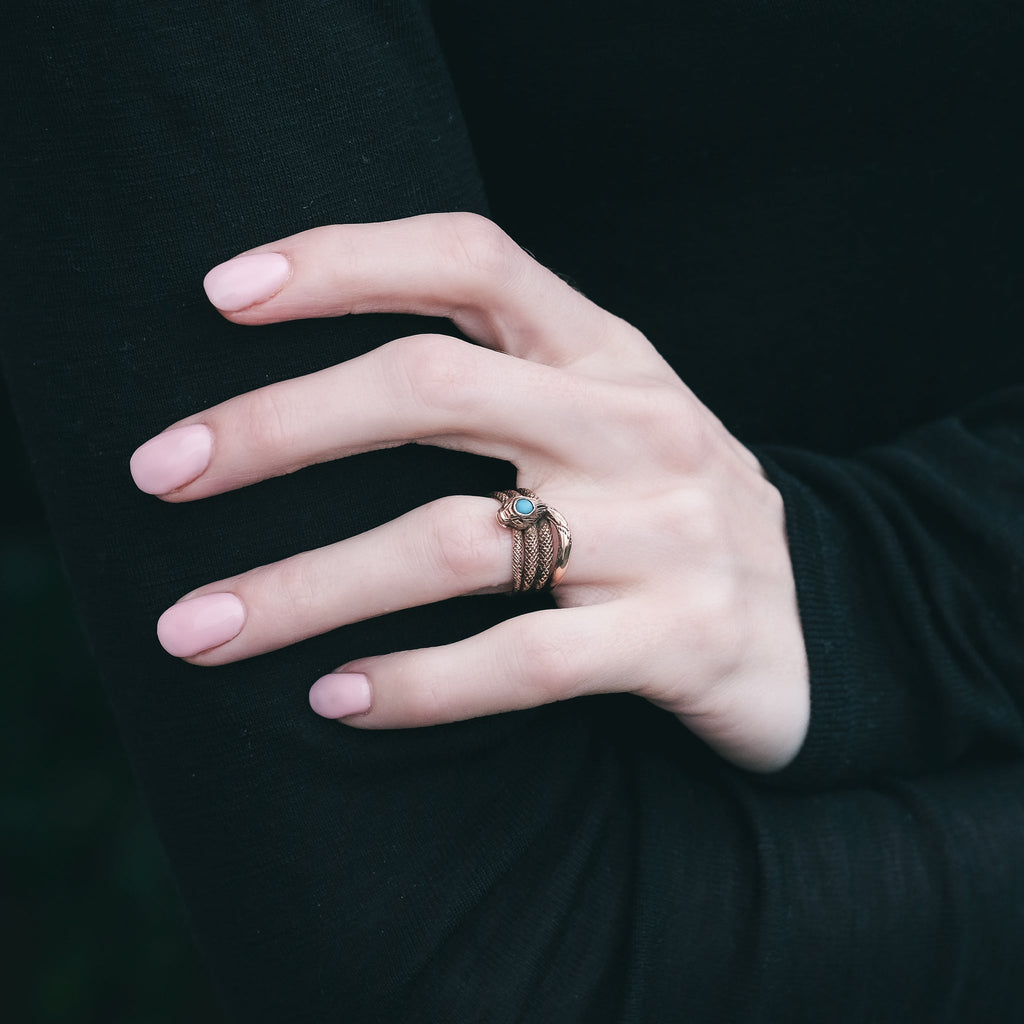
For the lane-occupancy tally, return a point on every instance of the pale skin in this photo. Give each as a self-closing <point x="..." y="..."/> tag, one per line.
<point x="679" y="588"/>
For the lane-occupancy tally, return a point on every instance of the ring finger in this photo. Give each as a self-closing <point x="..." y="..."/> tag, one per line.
<point x="450" y="547"/>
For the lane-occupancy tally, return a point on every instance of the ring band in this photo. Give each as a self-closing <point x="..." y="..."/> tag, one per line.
<point x="541" y="539"/>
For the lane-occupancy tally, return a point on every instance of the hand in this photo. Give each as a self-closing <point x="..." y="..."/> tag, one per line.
<point x="679" y="587"/>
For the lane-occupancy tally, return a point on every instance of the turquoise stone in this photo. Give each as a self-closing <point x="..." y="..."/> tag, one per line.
<point x="523" y="507"/>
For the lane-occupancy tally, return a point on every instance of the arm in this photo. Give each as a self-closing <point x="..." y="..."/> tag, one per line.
<point x="909" y="562"/>
<point x="579" y="861"/>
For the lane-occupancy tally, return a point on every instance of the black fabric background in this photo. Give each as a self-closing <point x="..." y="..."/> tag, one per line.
<point x="823" y="237"/>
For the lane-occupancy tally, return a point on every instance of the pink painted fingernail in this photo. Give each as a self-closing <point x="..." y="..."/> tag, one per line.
<point x="246" y="280"/>
<point x="200" y="623"/>
<point x="172" y="459"/>
<point x="340" y="694"/>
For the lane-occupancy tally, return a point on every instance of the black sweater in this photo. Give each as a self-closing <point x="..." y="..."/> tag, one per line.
<point x="815" y="211"/>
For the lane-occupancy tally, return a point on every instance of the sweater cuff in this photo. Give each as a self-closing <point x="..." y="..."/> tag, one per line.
<point x="861" y="720"/>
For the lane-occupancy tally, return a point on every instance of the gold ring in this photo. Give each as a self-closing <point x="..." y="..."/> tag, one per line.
<point x="541" y="539"/>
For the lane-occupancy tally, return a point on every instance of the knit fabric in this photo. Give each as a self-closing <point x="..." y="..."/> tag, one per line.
<point x="814" y="210"/>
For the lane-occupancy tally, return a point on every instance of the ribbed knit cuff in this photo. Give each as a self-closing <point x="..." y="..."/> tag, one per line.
<point x="861" y="722"/>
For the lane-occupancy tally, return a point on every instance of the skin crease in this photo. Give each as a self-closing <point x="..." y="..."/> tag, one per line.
<point x="694" y="608"/>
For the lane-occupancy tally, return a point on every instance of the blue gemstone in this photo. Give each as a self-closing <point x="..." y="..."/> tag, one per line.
<point x="523" y="507"/>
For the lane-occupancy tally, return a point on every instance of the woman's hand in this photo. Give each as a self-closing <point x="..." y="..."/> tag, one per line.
<point x="679" y="587"/>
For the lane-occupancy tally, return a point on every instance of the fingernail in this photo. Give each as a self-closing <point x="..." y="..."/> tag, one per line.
<point x="200" y="623"/>
<point x="172" y="459"/>
<point x="340" y="694"/>
<point x="246" y="280"/>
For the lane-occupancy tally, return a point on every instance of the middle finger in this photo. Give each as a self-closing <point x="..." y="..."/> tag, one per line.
<point x="428" y="389"/>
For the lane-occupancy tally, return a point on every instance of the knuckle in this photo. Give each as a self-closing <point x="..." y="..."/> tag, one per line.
<point x="423" y="701"/>
<point x="424" y="357"/>
<point x="423" y="690"/>
<point x="287" y="593"/>
<point x="697" y="508"/>
<point x="269" y="421"/>
<point x="649" y="422"/>
<point x="716" y="624"/>
<point x="433" y="370"/>
<point x="668" y="410"/>
<point x="704" y="445"/>
<point x="475" y="245"/>
<point x="670" y="422"/>
<point x="464" y="543"/>
<point x="551" y="664"/>
<point x="673" y="419"/>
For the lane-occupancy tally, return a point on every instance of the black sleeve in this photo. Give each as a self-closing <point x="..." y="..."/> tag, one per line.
<point x="585" y="862"/>
<point x="909" y="562"/>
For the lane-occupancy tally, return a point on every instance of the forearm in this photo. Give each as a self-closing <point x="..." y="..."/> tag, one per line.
<point x="909" y="560"/>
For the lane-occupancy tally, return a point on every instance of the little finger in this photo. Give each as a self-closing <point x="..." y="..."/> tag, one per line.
<point x="524" y="662"/>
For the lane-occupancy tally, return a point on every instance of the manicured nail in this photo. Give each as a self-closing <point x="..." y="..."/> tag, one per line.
<point x="200" y="623"/>
<point x="246" y="280"/>
<point x="172" y="459"/>
<point x="340" y="694"/>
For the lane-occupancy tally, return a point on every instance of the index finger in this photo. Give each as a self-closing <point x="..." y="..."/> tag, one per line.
<point x="460" y="266"/>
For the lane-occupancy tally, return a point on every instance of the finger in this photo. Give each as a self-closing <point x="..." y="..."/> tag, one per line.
<point x="447" y="548"/>
<point x="459" y="266"/>
<point x="428" y="389"/>
<point x="524" y="662"/>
